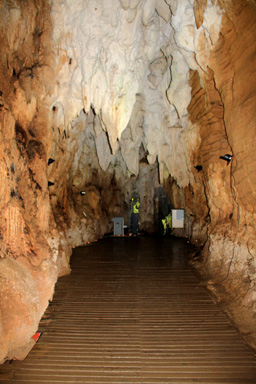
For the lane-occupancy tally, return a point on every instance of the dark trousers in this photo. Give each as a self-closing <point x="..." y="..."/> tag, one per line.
<point x="135" y="224"/>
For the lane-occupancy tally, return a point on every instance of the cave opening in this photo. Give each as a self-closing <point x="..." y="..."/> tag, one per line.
<point x="101" y="103"/>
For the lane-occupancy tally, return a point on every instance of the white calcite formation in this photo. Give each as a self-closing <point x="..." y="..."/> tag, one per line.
<point x="127" y="96"/>
<point x="161" y="81"/>
<point x="121" y="58"/>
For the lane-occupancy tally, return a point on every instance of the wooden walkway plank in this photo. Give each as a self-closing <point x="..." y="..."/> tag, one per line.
<point x="132" y="312"/>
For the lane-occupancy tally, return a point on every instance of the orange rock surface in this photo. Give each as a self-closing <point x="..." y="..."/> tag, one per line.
<point x="40" y="223"/>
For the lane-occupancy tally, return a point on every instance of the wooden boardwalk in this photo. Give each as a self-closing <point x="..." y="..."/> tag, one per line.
<point x="133" y="312"/>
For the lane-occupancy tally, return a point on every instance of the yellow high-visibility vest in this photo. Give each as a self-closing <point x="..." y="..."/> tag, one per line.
<point x="164" y="225"/>
<point x="136" y="207"/>
<point x="169" y="220"/>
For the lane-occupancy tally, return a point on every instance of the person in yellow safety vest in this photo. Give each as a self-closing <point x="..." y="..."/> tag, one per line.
<point x="134" y="217"/>
<point x="167" y="224"/>
<point x="136" y="207"/>
<point x="169" y="220"/>
<point x="164" y="225"/>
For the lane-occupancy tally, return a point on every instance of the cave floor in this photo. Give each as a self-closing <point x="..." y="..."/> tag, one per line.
<point x="132" y="311"/>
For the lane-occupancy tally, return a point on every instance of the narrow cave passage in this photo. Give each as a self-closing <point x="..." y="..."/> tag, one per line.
<point x="132" y="311"/>
<point x="103" y="102"/>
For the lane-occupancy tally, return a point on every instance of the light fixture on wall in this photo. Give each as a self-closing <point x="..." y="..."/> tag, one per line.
<point x="227" y="158"/>
<point x="198" y="168"/>
<point x="50" y="161"/>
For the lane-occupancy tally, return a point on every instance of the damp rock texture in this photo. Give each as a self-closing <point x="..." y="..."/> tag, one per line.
<point x="126" y="97"/>
<point x="27" y="266"/>
<point x="226" y="122"/>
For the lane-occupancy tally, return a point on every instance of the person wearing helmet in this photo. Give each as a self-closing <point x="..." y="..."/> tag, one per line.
<point x="135" y="216"/>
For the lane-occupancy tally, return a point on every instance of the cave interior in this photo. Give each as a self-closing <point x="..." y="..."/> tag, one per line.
<point x="103" y="103"/>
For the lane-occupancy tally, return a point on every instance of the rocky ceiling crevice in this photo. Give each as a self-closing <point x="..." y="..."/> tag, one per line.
<point x="126" y="97"/>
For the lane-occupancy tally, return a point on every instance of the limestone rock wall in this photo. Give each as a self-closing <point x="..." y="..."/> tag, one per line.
<point x="126" y="97"/>
<point x="121" y="64"/>
<point x="107" y="190"/>
<point x="27" y="262"/>
<point x="168" y="79"/>
<point x="219" y="199"/>
<point x="229" y="253"/>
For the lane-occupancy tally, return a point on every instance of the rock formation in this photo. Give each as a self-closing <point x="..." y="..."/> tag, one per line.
<point x="126" y="96"/>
